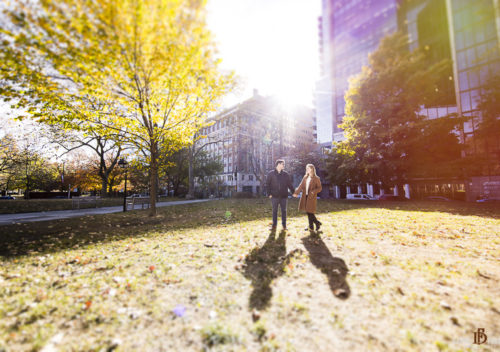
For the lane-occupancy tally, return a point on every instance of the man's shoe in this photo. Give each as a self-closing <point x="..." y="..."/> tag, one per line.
<point x="318" y="225"/>
<point x="309" y="229"/>
<point x="273" y="228"/>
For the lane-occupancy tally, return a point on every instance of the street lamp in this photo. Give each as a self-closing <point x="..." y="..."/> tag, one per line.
<point x="123" y="164"/>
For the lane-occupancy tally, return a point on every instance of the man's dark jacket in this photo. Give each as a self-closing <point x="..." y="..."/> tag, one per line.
<point x="278" y="184"/>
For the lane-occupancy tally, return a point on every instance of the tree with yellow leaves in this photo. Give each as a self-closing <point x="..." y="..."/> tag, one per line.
<point x="143" y="69"/>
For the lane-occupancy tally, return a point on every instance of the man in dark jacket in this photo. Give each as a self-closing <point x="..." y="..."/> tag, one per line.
<point x="278" y="184"/>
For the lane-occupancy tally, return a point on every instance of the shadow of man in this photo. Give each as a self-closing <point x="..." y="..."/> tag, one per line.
<point x="263" y="265"/>
<point x="334" y="268"/>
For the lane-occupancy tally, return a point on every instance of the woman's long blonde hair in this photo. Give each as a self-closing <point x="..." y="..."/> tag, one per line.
<point x="312" y="167"/>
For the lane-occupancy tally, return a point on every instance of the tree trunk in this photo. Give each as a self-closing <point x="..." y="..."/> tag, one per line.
<point x="27" y="191"/>
<point x="190" y="194"/>
<point x="104" y="186"/>
<point x="153" y="178"/>
<point x="110" y="189"/>
<point x="176" y="187"/>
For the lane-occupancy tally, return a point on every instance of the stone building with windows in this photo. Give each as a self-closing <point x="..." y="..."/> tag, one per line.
<point x="248" y="138"/>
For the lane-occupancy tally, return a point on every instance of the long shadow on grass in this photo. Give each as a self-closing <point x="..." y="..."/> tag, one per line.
<point x="334" y="268"/>
<point x="263" y="265"/>
<point x="64" y="234"/>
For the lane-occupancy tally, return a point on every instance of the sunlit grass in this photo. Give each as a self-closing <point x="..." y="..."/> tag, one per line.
<point x="421" y="276"/>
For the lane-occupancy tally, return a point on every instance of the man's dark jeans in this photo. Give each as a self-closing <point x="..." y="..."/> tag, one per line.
<point x="282" y="203"/>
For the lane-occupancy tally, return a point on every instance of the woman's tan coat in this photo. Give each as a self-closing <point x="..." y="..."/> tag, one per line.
<point x="314" y="189"/>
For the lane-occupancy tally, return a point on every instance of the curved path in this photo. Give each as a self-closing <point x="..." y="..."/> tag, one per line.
<point x="9" y="219"/>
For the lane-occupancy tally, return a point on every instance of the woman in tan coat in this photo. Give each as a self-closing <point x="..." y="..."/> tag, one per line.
<point x="310" y="187"/>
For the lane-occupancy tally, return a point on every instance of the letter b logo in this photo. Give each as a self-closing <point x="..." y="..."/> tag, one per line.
<point x="480" y="337"/>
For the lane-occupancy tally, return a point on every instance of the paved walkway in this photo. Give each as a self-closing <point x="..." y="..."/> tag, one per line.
<point x="9" y="219"/>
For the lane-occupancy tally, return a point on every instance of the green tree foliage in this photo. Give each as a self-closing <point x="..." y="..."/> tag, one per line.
<point x="308" y="154"/>
<point x="107" y="149"/>
<point x="203" y="166"/>
<point x="143" y="69"/>
<point x="388" y="139"/>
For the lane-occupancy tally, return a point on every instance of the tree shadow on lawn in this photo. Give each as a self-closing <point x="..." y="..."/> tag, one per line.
<point x="268" y="262"/>
<point x="485" y="210"/>
<point x="58" y="235"/>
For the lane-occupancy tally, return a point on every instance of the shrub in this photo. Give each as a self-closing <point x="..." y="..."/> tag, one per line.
<point x="243" y="195"/>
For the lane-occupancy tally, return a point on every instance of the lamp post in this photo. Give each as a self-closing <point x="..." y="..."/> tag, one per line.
<point x="123" y="164"/>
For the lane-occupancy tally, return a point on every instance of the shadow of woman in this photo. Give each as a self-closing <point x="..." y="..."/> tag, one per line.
<point x="334" y="268"/>
<point x="263" y="265"/>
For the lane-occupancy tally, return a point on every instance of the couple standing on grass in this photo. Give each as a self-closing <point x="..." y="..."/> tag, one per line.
<point x="278" y="184"/>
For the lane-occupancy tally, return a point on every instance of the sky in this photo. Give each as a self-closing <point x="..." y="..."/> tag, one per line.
<point x="272" y="45"/>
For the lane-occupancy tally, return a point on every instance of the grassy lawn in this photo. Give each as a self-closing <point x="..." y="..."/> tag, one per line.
<point x="35" y="205"/>
<point x="210" y="276"/>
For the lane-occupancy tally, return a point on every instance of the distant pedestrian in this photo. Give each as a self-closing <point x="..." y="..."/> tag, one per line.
<point x="310" y="187"/>
<point x="278" y="184"/>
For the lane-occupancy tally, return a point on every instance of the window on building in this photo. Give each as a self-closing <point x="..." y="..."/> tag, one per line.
<point x="474" y="98"/>
<point x="243" y="177"/>
<point x="473" y="79"/>
<point x="465" y="99"/>
<point x="250" y="177"/>
<point x="464" y="83"/>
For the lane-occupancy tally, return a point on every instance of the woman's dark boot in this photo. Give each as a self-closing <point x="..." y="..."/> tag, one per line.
<point x="311" y="226"/>
<point x="318" y="225"/>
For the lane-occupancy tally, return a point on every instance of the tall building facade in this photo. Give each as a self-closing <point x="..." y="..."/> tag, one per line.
<point x="323" y="97"/>
<point x="465" y="31"/>
<point x="350" y="31"/>
<point x="248" y="138"/>
<point x="475" y="44"/>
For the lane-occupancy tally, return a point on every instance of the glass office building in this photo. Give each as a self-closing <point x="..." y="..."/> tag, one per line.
<point x="465" y="31"/>
<point x="351" y="31"/>
<point x="476" y="50"/>
<point x="475" y="42"/>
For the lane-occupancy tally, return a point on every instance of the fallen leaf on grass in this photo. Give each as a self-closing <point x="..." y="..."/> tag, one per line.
<point x="75" y="260"/>
<point x="118" y="279"/>
<point x="445" y="305"/>
<point x="483" y="275"/>
<point x="12" y="276"/>
<point x="101" y="268"/>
